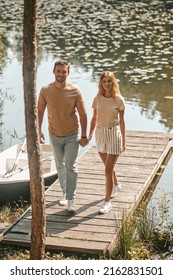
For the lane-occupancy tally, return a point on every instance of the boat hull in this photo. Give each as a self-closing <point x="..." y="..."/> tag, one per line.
<point x="19" y="191"/>
<point x="15" y="186"/>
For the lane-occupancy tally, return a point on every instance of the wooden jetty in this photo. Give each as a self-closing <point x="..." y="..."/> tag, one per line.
<point x="87" y="231"/>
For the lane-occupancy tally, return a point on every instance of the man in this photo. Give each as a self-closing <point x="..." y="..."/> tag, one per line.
<point x="63" y="101"/>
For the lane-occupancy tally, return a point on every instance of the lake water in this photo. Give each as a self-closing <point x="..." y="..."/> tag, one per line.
<point x="131" y="38"/>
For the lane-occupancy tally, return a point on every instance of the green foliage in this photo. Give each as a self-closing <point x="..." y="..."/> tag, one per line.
<point x="16" y="253"/>
<point x="5" y="213"/>
<point x="146" y="224"/>
<point x="148" y="232"/>
<point x="126" y="239"/>
<point x="9" y="214"/>
<point x="139" y="252"/>
<point x="163" y="240"/>
<point x="13" y="253"/>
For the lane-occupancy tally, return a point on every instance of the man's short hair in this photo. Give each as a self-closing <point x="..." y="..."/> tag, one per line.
<point x="61" y="62"/>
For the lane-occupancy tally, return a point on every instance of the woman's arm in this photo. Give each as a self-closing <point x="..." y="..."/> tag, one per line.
<point x="93" y="124"/>
<point x="122" y="128"/>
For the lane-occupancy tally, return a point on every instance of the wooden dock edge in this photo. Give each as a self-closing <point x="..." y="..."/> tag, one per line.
<point x="165" y="156"/>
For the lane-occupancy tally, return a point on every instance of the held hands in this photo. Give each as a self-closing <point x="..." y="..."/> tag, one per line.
<point x="89" y="137"/>
<point x="83" y="141"/>
<point x="41" y="138"/>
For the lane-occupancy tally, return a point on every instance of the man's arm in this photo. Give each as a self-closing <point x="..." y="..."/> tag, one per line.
<point x="83" y="122"/>
<point x="41" y="109"/>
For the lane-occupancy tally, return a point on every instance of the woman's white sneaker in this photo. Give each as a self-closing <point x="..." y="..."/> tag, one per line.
<point x="115" y="190"/>
<point x="106" y="207"/>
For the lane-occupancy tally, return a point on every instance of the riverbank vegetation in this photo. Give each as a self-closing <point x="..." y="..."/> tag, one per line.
<point x="146" y="235"/>
<point x="149" y="233"/>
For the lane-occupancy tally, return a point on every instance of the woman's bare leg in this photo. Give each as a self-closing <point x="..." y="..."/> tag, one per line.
<point x="109" y="162"/>
<point x="115" y="181"/>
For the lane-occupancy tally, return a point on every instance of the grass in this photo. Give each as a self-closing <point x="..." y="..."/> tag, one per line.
<point x="15" y="253"/>
<point x="8" y="213"/>
<point x="149" y="233"/>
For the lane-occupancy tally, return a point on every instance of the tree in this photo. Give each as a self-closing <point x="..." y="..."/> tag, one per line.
<point x="37" y="249"/>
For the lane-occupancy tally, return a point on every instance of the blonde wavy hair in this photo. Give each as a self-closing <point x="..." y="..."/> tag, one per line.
<point x="115" y="88"/>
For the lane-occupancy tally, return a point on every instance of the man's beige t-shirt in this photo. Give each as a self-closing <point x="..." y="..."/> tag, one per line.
<point x="108" y="110"/>
<point x="61" y="107"/>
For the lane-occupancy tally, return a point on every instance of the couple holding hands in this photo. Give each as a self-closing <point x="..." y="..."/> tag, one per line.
<point x="64" y="101"/>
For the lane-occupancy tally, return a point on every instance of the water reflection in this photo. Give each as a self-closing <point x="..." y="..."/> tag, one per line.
<point x="131" y="38"/>
<point x="5" y="97"/>
<point x="151" y="99"/>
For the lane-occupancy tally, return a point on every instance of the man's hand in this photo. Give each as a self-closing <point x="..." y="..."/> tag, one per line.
<point x="41" y="138"/>
<point x="83" y="142"/>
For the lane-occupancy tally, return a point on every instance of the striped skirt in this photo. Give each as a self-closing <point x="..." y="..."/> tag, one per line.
<point x="108" y="140"/>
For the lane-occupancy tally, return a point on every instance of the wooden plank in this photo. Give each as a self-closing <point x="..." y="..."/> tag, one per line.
<point x="25" y="225"/>
<point x="54" y="243"/>
<point x="148" y="134"/>
<point x="80" y="246"/>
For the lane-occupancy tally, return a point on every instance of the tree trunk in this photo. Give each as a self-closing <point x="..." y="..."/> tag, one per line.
<point x="37" y="249"/>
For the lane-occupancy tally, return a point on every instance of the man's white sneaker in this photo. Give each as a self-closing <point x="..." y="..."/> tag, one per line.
<point x="115" y="190"/>
<point x="71" y="205"/>
<point x="63" y="200"/>
<point x="105" y="207"/>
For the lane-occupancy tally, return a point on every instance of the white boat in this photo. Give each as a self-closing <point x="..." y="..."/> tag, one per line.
<point x="14" y="172"/>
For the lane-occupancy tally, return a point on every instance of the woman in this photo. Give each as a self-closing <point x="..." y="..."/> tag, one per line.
<point x="108" y="119"/>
